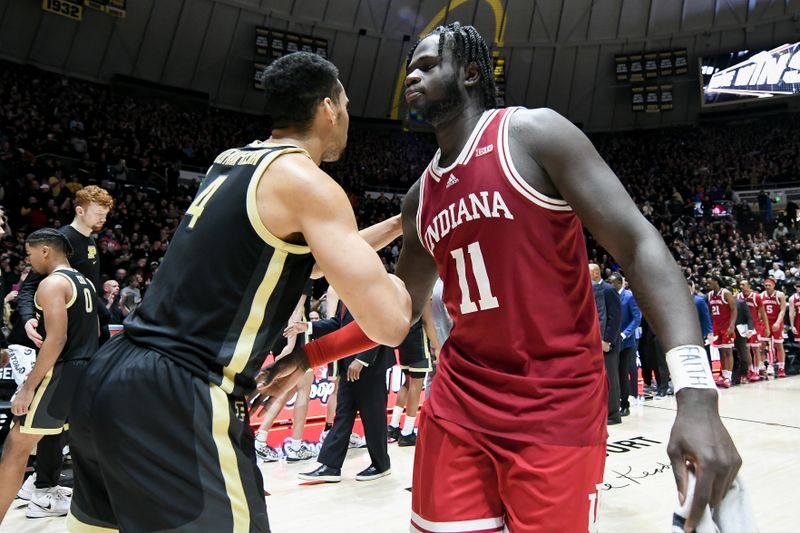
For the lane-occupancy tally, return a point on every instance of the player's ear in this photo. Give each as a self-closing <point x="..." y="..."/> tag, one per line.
<point x="329" y="109"/>
<point x="472" y="76"/>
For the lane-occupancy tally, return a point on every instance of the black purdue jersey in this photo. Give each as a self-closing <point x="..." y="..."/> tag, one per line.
<point x="227" y="286"/>
<point x="82" y="332"/>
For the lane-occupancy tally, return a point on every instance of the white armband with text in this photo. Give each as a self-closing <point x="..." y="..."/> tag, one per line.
<point x="688" y="367"/>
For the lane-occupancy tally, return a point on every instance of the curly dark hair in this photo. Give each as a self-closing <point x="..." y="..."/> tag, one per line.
<point x="295" y="84"/>
<point x="468" y="47"/>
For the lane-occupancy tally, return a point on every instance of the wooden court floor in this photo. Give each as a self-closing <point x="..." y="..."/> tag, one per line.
<point x="763" y="418"/>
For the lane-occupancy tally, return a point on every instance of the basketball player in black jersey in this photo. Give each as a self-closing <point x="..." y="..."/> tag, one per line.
<point x="92" y="205"/>
<point x="162" y="440"/>
<point x="67" y="322"/>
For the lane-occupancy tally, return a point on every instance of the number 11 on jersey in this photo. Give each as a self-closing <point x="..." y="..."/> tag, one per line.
<point x="487" y="300"/>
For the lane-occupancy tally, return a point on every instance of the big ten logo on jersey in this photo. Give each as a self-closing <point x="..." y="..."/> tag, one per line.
<point x="239" y="410"/>
<point x="594" y="508"/>
<point x="91" y="252"/>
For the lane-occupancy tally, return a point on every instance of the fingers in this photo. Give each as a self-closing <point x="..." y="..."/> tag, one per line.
<point x="704" y="483"/>
<point x="680" y="472"/>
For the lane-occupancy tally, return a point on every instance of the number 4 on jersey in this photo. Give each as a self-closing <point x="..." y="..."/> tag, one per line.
<point x="202" y="198"/>
<point x="487" y="301"/>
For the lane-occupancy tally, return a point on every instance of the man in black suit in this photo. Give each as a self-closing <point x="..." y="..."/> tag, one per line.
<point x="362" y="388"/>
<point x="743" y="357"/>
<point x="609" y="311"/>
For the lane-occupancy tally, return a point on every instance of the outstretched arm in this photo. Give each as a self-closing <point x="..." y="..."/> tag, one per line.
<point x="583" y="179"/>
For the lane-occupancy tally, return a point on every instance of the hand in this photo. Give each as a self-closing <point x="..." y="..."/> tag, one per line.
<point x="283" y="374"/>
<point x="701" y="443"/>
<point x="354" y="371"/>
<point x="775" y="326"/>
<point x="434" y="354"/>
<point x="794" y="330"/>
<point x="295" y="329"/>
<point x="4" y="357"/>
<point x="606" y="346"/>
<point x="22" y="401"/>
<point x="33" y="335"/>
<point x="731" y="329"/>
<point x="11" y="296"/>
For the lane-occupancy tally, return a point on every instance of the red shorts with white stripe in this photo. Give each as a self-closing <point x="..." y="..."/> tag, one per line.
<point x="468" y="482"/>
<point x="723" y="338"/>
<point x="776" y="336"/>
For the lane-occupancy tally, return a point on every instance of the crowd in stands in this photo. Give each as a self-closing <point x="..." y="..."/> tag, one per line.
<point x="58" y="134"/>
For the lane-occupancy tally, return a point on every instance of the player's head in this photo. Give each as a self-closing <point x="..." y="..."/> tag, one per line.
<point x="305" y="98"/>
<point x="92" y="205"/>
<point x="770" y="283"/>
<point x="744" y="286"/>
<point x="46" y="249"/>
<point x="445" y="69"/>
<point x="715" y="283"/>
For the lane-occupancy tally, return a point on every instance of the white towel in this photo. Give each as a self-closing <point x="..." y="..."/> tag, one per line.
<point x="21" y="359"/>
<point x="734" y="514"/>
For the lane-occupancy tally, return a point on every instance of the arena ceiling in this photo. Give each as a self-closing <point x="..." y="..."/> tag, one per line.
<point x="559" y="53"/>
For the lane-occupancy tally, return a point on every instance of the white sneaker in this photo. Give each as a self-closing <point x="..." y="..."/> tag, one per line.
<point x="300" y="454"/>
<point x="48" y="502"/>
<point x="357" y="441"/>
<point x="266" y="453"/>
<point x="27" y="488"/>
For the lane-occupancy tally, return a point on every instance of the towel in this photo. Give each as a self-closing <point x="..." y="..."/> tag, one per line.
<point x="734" y="514"/>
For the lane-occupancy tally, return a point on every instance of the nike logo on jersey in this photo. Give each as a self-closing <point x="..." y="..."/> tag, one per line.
<point x="469" y="208"/>
<point x="483" y="150"/>
<point x="452" y="180"/>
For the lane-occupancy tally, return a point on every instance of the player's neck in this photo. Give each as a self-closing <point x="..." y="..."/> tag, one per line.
<point x="312" y="145"/>
<point x="60" y="265"/>
<point x="454" y="132"/>
<point x="80" y="227"/>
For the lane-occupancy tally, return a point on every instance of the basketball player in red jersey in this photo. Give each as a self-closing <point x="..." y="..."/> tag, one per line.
<point x="518" y="408"/>
<point x="794" y="311"/>
<point x="755" y="305"/>
<point x="723" y="320"/>
<point x="775" y="307"/>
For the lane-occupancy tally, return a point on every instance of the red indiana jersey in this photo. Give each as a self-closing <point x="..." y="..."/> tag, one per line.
<point x="720" y="310"/>
<point x="524" y="358"/>
<point x="754" y="301"/>
<point x="794" y="301"/>
<point x="772" y="306"/>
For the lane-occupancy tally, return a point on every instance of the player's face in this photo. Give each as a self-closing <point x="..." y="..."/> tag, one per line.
<point x="433" y="89"/>
<point x="38" y="258"/>
<point x="744" y="287"/>
<point x="340" y="126"/>
<point x="769" y="286"/>
<point x="93" y="215"/>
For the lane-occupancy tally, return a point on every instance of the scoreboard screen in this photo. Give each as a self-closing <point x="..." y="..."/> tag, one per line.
<point x="750" y="75"/>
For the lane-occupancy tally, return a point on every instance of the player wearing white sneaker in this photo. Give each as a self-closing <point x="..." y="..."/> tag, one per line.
<point x="53" y="501"/>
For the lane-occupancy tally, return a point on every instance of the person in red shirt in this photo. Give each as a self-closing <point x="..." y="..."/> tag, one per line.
<point x="512" y="436"/>
<point x="755" y="304"/>
<point x="775" y="308"/>
<point x="723" y="320"/>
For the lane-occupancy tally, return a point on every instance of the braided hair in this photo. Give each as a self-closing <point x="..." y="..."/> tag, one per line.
<point x="468" y="47"/>
<point x="52" y="238"/>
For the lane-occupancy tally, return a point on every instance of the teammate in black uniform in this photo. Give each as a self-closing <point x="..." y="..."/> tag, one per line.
<point x="415" y="360"/>
<point x="67" y="321"/>
<point x="92" y="204"/>
<point x="162" y="440"/>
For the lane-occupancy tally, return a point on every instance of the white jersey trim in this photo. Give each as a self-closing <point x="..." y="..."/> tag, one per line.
<point x="514" y="177"/>
<point x="469" y="147"/>
<point x="455" y="526"/>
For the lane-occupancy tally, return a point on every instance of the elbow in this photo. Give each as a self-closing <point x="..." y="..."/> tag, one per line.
<point x="391" y="331"/>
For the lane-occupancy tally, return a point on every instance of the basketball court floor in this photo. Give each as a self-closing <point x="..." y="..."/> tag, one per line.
<point x="639" y="495"/>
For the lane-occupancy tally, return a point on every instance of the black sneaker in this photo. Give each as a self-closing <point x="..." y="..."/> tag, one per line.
<point x="393" y="432"/>
<point x="407" y="440"/>
<point x="323" y="474"/>
<point x="625" y="411"/>
<point x="371" y="473"/>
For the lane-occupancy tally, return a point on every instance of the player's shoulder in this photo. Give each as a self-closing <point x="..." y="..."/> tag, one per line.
<point x="55" y="283"/>
<point x="295" y="177"/>
<point x="527" y="119"/>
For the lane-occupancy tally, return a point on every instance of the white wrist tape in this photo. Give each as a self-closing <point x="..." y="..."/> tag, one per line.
<point x="688" y="367"/>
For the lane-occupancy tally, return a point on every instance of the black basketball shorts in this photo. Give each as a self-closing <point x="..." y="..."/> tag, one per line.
<point x="52" y="402"/>
<point x="156" y="448"/>
<point x="415" y="357"/>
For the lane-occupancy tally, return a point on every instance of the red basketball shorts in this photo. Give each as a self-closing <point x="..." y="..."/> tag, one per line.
<point x="776" y="336"/>
<point x="723" y="338"/>
<point x="467" y="482"/>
